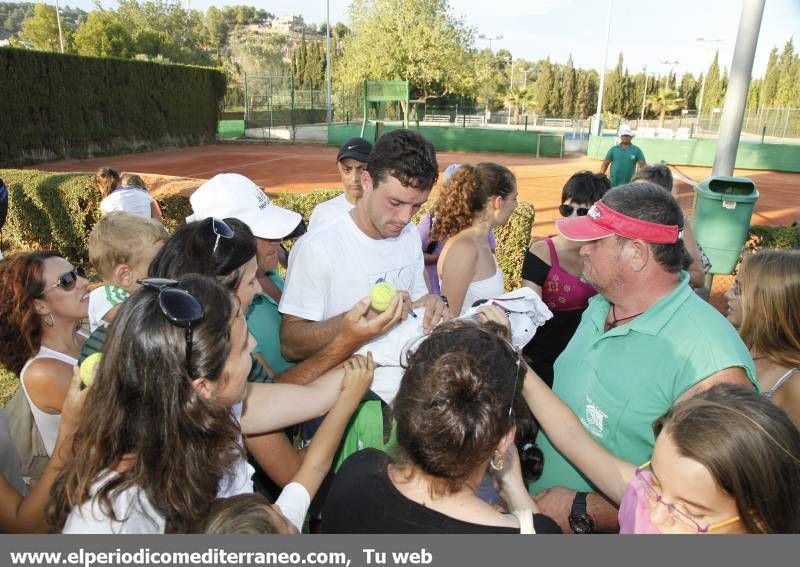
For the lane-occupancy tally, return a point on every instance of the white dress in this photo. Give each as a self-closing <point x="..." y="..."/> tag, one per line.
<point x="47" y="423"/>
<point x="492" y="286"/>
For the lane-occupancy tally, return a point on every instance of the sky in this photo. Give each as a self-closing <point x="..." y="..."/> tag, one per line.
<point x="648" y="32"/>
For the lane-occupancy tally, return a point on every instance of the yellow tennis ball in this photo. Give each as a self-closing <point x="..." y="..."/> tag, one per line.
<point x="381" y="295"/>
<point x="87" y="367"/>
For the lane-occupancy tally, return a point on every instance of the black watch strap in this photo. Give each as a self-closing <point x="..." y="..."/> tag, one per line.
<point x="579" y="504"/>
<point x="579" y="519"/>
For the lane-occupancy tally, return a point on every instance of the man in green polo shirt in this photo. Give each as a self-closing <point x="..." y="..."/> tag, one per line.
<point x="624" y="158"/>
<point x="645" y="341"/>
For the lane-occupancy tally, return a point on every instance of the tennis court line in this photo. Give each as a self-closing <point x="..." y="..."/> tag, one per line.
<point x="233" y="167"/>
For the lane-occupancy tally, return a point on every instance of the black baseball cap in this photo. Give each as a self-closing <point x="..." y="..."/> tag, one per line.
<point x="356" y="148"/>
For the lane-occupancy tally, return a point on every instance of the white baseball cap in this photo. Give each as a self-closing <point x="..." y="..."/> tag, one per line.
<point x="230" y="195"/>
<point x="625" y="130"/>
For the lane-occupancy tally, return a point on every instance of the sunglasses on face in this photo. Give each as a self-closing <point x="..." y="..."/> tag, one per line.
<point x="67" y="280"/>
<point x="180" y="308"/>
<point x="222" y="230"/>
<point x="567" y="210"/>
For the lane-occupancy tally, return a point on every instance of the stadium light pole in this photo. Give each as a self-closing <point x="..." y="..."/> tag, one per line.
<point x="730" y="127"/>
<point x="328" y="113"/>
<point x="671" y="65"/>
<point x="58" y="21"/>
<point x="644" y="96"/>
<point x="490" y="39"/>
<point x="603" y="73"/>
<point x="703" y="86"/>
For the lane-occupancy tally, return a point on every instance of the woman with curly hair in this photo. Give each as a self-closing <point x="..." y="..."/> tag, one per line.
<point x="455" y="414"/>
<point x="43" y="302"/>
<point x="474" y="201"/>
<point x="764" y="304"/>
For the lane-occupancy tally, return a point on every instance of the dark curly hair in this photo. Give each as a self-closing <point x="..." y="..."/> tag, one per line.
<point x="406" y="155"/>
<point x="466" y="193"/>
<point x="20" y="326"/>
<point x="454" y="402"/>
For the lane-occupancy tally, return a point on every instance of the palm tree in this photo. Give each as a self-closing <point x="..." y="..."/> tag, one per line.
<point x="665" y="100"/>
<point x="516" y="98"/>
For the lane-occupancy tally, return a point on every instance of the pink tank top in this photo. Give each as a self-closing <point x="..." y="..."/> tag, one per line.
<point x="561" y="290"/>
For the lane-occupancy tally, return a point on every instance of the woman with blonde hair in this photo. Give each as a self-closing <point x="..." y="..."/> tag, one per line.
<point x="475" y="199"/>
<point x="764" y="304"/>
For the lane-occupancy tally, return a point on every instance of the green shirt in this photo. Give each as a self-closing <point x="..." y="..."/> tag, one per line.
<point x="623" y="163"/>
<point x="264" y="323"/>
<point x="619" y="382"/>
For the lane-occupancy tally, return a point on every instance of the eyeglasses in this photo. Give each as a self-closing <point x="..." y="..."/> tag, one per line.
<point x="221" y="229"/>
<point x="67" y="280"/>
<point x="180" y="308"/>
<point x="567" y="210"/>
<point x="681" y="517"/>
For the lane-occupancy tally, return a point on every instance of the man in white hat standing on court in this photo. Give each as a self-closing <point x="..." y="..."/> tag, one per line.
<point x="624" y="158"/>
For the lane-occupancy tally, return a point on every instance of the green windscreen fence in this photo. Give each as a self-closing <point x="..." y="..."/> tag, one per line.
<point x="230" y="129"/>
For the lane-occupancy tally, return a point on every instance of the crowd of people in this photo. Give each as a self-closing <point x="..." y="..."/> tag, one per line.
<point x="195" y="390"/>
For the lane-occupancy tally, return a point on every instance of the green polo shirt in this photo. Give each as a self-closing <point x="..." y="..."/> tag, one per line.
<point x="264" y="323"/>
<point x="619" y="382"/>
<point x="623" y="163"/>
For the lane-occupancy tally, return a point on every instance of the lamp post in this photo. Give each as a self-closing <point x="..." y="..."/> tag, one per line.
<point x="490" y="39"/>
<point x="58" y="21"/>
<point x="671" y="65"/>
<point x="328" y="113"/>
<point x="597" y="130"/>
<point x="644" y="96"/>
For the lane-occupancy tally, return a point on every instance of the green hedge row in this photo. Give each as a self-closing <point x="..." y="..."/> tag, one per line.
<point x="57" y="106"/>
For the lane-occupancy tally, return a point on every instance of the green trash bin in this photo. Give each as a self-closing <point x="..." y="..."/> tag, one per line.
<point x="723" y="207"/>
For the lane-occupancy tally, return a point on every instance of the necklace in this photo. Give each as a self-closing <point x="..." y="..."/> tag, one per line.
<point x="613" y="324"/>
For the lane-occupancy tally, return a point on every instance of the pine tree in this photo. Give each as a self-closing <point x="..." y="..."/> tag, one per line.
<point x="769" y="88"/>
<point x="544" y="88"/>
<point x="614" y="95"/>
<point x="788" y="86"/>
<point x="714" y="93"/>
<point x="569" y="90"/>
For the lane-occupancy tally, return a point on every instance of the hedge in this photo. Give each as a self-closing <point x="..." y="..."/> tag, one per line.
<point x="58" y="210"/>
<point x="61" y="106"/>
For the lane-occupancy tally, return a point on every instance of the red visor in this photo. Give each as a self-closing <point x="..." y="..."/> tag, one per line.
<point x="603" y="221"/>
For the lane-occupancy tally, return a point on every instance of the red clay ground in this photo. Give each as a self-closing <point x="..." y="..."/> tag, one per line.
<point x="297" y="168"/>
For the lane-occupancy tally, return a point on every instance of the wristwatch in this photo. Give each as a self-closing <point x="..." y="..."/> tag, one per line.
<point x="579" y="519"/>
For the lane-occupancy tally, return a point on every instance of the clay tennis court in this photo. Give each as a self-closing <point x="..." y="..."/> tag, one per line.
<point x="296" y="168"/>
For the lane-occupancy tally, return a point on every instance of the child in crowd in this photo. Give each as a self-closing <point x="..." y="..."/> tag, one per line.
<point x="724" y="461"/>
<point x="252" y="513"/>
<point x="118" y="197"/>
<point x="121" y="247"/>
<point x="133" y="181"/>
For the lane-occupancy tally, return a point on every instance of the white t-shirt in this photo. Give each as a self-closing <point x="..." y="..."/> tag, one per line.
<point x="140" y="517"/>
<point x="102" y="300"/>
<point x="131" y="505"/>
<point x="328" y="210"/>
<point x="294" y="501"/>
<point x="129" y="199"/>
<point x="336" y="265"/>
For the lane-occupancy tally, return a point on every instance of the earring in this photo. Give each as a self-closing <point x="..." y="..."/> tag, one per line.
<point x="51" y="322"/>
<point x="497" y="461"/>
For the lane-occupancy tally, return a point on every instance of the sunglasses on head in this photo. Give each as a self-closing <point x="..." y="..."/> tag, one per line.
<point x="67" y="280"/>
<point x="180" y="307"/>
<point x="567" y="210"/>
<point x="221" y="229"/>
